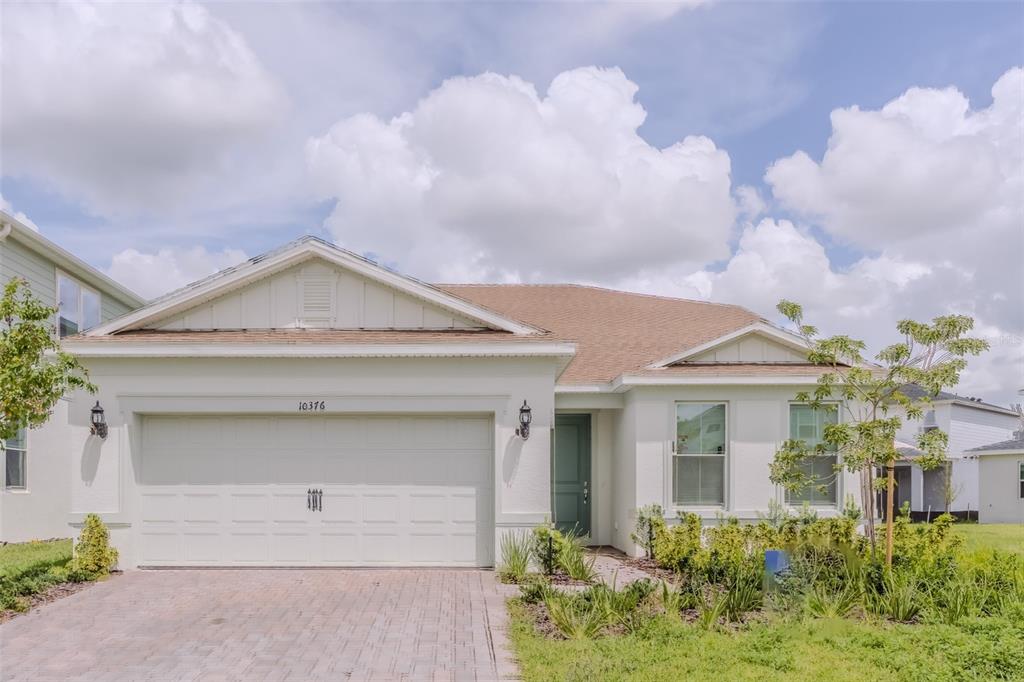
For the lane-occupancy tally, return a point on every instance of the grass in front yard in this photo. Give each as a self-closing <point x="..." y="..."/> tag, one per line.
<point x="1005" y="537"/>
<point x="811" y="650"/>
<point x="27" y="568"/>
<point x="16" y="559"/>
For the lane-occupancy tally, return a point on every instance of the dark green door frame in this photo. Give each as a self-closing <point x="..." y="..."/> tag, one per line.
<point x="571" y="493"/>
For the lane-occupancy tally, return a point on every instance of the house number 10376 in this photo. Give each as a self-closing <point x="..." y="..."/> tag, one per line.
<point x="312" y="405"/>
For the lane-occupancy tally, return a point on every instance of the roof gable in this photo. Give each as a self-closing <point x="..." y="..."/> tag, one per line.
<point x="311" y="284"/>
<point x="759" y="342"/>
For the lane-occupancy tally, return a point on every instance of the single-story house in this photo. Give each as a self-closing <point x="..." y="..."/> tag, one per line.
<point x="969" y="423"/>
<point x="1001" y="472"/>
<point x="310" y="407"/>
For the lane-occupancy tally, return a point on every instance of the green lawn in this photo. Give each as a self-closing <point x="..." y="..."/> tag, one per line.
<point x="1006" y="537"/>
<point x="814" y="650"/>
<point x="17" y="559"/>
<point x="30" y="567"/>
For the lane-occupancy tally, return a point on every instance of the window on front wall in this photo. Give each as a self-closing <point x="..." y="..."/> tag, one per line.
<point x="78" y="308"/>
<point x="808" y="425"/>
<point x="14" y="461"/>
<point x="698" y="465"/>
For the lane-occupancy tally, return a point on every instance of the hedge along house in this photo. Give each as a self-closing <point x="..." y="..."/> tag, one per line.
<point x="309" y="407"/>
<point x="36" y="475"/>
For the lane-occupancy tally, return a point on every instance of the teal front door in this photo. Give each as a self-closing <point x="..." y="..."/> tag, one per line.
<point x="570" y="473"/>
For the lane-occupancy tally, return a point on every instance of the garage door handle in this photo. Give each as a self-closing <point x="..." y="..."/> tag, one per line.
<point x="309" y="498"/>
<point x="318" y="500"/>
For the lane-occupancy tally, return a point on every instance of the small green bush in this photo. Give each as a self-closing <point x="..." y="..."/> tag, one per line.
<point x="576" y="618"/>
<point x="649" y="520"/>
<point x="94" y="557"/>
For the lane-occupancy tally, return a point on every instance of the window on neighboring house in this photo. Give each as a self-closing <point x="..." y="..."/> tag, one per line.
<point x="808" y="425"/>
<point x="1021" y="472"/>
<point x="14" y="461"/>
<point x="698" y="465"/>
<point x="78" y="308"/>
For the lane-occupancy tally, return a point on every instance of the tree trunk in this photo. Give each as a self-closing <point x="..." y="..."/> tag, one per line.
<point x="868" y="504"/>
<point x="889" y="505"/>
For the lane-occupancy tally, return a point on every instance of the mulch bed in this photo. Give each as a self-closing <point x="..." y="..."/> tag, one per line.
<point x="648" y="566"/>
<point x="51" y="594"/>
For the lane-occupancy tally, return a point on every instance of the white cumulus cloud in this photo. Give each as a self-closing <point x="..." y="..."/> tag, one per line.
<point x="7" y="208"/>
<point x="125" y="106"/>
<point x="156" y="273"/>
<point x="505" y="183"/>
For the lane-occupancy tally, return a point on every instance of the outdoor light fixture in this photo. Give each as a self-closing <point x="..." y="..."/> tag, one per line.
<point x="99" y="423"/>
<point x="525" y="417"/>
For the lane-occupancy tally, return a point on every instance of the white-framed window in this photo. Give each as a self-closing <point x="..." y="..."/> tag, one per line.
<point x="808" y="425"/>
<point x="14" y="461"/>
<point x="78" y="307"/>
<point x="698" y="461"/>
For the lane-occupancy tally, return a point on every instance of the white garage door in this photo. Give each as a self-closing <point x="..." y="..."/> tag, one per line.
<point x="396" y="490"/>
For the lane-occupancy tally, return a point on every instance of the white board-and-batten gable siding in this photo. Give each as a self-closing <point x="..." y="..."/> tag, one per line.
<point x="750" y="348"/>
<point x="315" y="294"/>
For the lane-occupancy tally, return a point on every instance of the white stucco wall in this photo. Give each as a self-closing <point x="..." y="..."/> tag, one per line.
<point x="103" y="477"/>
<point x="41" y="510"/>
<point x="1000" y="479"/>
<point x="757" y="424"/>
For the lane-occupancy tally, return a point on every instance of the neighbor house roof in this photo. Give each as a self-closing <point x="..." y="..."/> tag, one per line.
<point x="1014" y="445"/>
<point x="12" y="228"/>
<point x="915" y="392"/>
<point x="617" y="332"/>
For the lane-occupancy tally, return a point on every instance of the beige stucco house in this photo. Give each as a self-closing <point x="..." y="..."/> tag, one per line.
<point x="309" y="407"/>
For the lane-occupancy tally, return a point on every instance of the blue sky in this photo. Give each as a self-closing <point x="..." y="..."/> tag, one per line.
<point x="184" y="137"/>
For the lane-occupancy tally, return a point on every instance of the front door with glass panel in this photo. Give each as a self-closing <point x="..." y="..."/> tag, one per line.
<point x="570" y="474"/>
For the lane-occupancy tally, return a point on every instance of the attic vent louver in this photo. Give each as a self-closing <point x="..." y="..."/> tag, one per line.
<point x="317" y="302"/>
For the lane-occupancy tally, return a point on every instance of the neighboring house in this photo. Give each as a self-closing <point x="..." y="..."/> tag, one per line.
<point x="969" y="423"/>
<point x="1001" y="472"/>
<point x="36" y="484"/>
<point x="309" y="407"/>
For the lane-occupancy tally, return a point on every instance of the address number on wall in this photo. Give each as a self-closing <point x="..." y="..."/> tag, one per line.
<point x="312" y="405"/>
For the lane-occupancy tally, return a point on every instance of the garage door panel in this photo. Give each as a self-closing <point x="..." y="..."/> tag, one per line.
<point x="290" y="547"/>
<point x="396" y="490"/>
<point x="340" y="508"/>
<point x="161" y="546"/>
<point x="248" y="548"/>
<point x="203" y="507"/>
<point x="288" y="507"/>
<point x="249" y="507"/>
<point x="381" y="508"/>
<point x="342" y="468"/>
<point x="158" y="507"/>
<point x="202" y="547"/>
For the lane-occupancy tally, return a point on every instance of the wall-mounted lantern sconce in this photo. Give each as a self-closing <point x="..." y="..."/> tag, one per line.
<point x="99" y="422"/>
<point x="525" y="417"/>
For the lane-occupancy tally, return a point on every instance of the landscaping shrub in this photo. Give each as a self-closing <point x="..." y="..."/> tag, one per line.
<point x="648" y="520"/>
<point x="94" y="557"/>
<point x="547" y="547"/>
<point x="516" y="553"/>
<point x="576" y="618"/>
<point x="534" y="589"/>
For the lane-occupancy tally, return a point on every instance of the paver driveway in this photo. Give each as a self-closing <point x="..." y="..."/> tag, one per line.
<point x="267" y="625"/>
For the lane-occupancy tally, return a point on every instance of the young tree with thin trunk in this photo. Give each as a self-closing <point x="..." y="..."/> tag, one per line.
<point x="34" y="372"/>
<point x="874" y="406"/>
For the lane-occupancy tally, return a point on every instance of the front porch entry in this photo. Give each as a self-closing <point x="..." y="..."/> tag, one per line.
<point x="570" y="474"/>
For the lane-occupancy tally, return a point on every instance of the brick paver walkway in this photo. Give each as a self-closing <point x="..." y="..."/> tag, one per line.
<point x="267" y="625"/>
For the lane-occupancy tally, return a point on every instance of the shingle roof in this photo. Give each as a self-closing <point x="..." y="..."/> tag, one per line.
<point x="1016" y="443"/>
<point x="615" y="332"/>
<point x="915" y="392"/>
<point x="314" y="336"/>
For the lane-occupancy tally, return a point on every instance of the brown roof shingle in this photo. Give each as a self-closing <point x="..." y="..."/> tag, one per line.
<point x="615" y="332"/>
